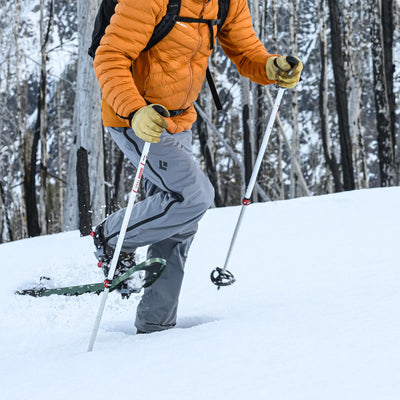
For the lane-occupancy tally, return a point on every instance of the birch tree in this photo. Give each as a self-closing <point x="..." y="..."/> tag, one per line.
<point x="271" y="170"/>
<point x="60" y="181"/>
<point x="21" y="136"/>
<point x="295" y="190"/>
<point x="354" y="56"/>
<point x="5" y="223"/>
<point x="329" y="154"/>
<point x="45" y="30"/>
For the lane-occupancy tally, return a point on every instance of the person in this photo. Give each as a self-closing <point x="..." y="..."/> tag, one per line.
<point x="148" y="97"/>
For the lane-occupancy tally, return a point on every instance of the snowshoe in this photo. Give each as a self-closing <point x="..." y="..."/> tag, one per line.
<point x="142" y="276"/>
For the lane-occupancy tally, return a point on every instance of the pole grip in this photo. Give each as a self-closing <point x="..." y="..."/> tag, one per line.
<point x="292" y="61"/>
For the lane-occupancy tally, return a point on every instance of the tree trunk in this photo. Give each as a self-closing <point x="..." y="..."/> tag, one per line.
<point x="271" y="170"/>
<point x="383" y="118"/>
<point x="341" y="97"/>
<point x="60" y="183"/>
<point x="256" y="114"/>
<point x="329" y="155"/>
<point x="30" y="183"/>
<point x="6" y="217"/>
<point x="44" y="41"/>
<point x="43" y="124"/>
<point x="8" y="203"/>
<point x="206" y="148"/>
<point x="396" y="29"/>
<point x="88" y="131"/>
<point x="274" y="44"/>
<point x="114" y="175"/>
<point x="302" y="181"/>
<point x="21" y="149"/>
<point x="354" y="56"/>
<point x="2" y="211"/>
<point x="228" y="148"/>
<point x="118" y="178"/>
<point x="295" y="190"/>
<point x="387" y="18"/>
<point x="82" y="175"/>
<point x="248" y="141"/>
<point x="360" y="56"/>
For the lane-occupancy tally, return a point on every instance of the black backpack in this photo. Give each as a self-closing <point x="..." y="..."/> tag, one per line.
<point x="106" y="11"/>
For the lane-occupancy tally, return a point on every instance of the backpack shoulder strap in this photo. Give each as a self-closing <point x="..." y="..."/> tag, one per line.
<point x="222" y="12"/>
<point x="166" y="24"/>
<point x="106" y="11"/>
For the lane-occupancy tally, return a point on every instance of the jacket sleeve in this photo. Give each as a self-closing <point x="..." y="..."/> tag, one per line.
<point x="241" y="45"/>
<point x="113" y="60"/>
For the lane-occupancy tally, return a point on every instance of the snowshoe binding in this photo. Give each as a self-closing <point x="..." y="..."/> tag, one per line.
<point x="104" y="254"/>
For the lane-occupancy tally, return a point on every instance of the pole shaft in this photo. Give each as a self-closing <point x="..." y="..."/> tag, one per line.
<point x="238" y="223"/>
<point x="120" y="241"/>
<point x="256" y="168"/>
<point x="264" y="143"/>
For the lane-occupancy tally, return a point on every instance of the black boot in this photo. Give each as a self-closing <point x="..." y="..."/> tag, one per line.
<point x="104" y="253"/>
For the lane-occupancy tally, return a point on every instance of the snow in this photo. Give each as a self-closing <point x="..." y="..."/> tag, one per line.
<point x="314" y="314"/>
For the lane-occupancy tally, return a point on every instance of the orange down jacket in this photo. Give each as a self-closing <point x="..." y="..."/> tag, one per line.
<point x="172" y="72"/>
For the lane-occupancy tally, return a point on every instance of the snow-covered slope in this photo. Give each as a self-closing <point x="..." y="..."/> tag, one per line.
<point x="314" y="314"/>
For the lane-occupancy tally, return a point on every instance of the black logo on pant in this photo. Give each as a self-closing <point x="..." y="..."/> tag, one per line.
<point x="163" y="165"/>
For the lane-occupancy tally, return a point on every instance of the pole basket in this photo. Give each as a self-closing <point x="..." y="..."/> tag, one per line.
<point x="220" y="277"/>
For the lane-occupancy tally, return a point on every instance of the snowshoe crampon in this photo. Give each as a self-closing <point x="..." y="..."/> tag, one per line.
<point x="140" y="276"/>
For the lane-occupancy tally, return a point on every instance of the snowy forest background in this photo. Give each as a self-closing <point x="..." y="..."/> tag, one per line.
<point x="338" y="130"/>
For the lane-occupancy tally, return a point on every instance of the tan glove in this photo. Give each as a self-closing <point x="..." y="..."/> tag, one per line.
<point x="148" y="122"/>
<point x="286" y="70"/>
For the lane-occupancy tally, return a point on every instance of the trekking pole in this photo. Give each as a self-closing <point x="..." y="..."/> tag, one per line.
<point x="221" y="276"/>
<point x="121" y="237"/>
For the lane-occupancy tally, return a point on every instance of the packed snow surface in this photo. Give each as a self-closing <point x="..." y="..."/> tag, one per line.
<point x="314" y="314"/>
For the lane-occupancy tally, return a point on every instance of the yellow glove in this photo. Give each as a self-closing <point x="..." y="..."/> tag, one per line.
<point x="286" y="70"/>
<point x="148" y="123"/>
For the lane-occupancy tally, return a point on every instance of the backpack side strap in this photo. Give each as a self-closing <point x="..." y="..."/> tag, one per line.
<point x="213" y="89"/>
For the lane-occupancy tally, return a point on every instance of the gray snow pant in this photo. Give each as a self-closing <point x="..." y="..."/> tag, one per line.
<point x="178" y="194"/>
